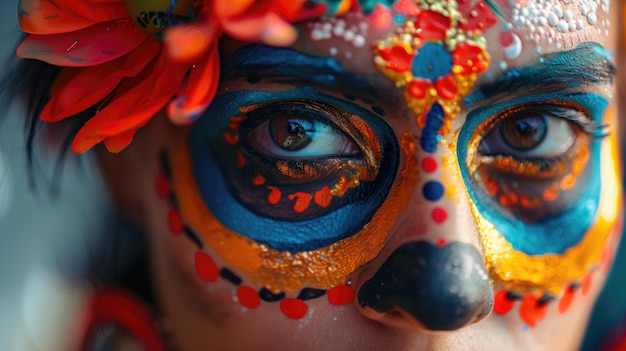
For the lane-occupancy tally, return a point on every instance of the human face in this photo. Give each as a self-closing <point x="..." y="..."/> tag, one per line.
<point x="377" y="187"/>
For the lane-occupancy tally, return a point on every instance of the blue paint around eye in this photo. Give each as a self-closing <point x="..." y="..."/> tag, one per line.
<point x="434" y="121"/>
<point x="432" y="62"/>
<point x="588" y="63"/>
<point x="286" y="235"/>
<point x="260" y="61"/>
<point x="556" y="234"/>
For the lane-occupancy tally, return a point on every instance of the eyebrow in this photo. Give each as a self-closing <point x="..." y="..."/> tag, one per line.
<point x="289" y="66"/>
<point x="587" y="64"/>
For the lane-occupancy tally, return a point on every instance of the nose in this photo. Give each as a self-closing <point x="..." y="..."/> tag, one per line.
<point x="433" y="287"/>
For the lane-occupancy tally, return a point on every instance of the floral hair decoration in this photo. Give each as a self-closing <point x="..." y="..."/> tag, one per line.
<point x="129" y="59"/>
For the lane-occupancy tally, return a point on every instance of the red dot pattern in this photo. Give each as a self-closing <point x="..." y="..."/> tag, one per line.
<point x="162" y="186"/>
<point x="206" y="268"/>
<point x="439" y="215"/>
<point x="429" y="164"/>
<point x="175" y="222"/>
<point x="208" y="271"/>
<point x="502" y="304"/>
<point x="341" y="295"/>
<point x="293" y="308"/>
<point x="248" y="297"/>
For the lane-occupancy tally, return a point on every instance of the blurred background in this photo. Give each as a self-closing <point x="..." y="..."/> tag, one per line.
<point x="48" y="232"/>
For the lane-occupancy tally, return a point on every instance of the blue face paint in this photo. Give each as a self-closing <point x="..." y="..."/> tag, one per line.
<point x="557" y="233"/>
<point x="288" y="66"/>
<point x="588" y="63"/>
<point x="242" y="206"/>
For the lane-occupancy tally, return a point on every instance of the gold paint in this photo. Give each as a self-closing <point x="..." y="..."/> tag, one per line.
<point x="550" y="273"/>
<point x="285" y="271"/>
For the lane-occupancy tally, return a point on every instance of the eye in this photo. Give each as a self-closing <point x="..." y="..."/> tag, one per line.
<point x="541" y="131"/>
<point x="287" y="169"/>
<point x="530" y="159"/>
<point x="293" y="134"/>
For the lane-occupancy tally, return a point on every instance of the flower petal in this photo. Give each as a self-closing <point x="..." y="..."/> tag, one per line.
<point x="433" y="25"/>
<point x="136" y="102"/>
<point x="446" y="87"/>
<point x="188" y="43"/>
<point x="199" y="92"/>
<point x="119" y="142"/>
<point x="398" y="58"/>
<point x="97" y="44"/>
<point x="471" y="58"/>
<point x="47" y="17"/>
<point x="77" y="89"/>
<point x="268" y="28"/>
<point x="231" y="8"/>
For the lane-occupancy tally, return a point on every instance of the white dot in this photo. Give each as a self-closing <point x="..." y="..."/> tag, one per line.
<point x="503" y="65"/>
<point x="358" y="41"/>
<point x="333" y="51"/>
<point x="591" y="18"/>
<point x="568" y="15"/>
<point x="562" y="26"/>
<point x="553" y="19"/>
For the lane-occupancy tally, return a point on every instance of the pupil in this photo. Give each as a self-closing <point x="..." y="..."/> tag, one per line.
<point x="291" y="133"/>
<point x="524" y="133"/>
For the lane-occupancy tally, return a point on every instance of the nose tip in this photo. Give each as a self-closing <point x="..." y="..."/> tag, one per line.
<point x="437" y="288"/>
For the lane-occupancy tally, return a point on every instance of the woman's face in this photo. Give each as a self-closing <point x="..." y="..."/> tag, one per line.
<point x="378" y="187"/>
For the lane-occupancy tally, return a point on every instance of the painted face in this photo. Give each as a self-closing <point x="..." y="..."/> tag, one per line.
<point x="405" y="167"/>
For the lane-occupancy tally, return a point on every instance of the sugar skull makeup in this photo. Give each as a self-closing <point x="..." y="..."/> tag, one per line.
<point x="297" y="177"/>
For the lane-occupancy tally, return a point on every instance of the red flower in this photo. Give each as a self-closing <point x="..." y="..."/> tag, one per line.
<point x="112" y="62"/>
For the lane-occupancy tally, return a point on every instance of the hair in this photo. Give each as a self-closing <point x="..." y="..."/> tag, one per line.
<point x="118" y="258"/>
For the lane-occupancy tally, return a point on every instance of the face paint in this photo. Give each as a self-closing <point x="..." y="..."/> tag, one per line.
<point x="289" y="211"/>
<point x="544" y="212"/>
<point x="209" y="272"/>
<point x="444" y="289"/>
<point x="436" y="57"/>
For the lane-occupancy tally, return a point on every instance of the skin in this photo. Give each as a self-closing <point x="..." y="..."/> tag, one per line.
<point x="204" y="315"/>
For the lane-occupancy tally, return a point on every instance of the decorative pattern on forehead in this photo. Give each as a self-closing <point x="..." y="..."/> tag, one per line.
<point x="436" y="58"/>
<point x="548" y="22"/>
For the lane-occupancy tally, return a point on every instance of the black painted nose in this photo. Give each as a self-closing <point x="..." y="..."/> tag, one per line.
<point x="442" y="288"/>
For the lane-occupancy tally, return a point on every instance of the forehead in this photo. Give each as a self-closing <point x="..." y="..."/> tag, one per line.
<point x="515" y="33"/>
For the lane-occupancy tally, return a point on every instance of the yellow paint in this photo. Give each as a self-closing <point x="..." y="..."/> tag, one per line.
<point x="550" y="273"/>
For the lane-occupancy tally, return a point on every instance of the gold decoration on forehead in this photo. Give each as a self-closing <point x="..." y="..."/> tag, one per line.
<point x="436" y="57"/>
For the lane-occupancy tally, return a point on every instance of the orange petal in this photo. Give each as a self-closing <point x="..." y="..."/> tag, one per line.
<point x="268" y="28"/>
<point x="198" y="93"/>
<point x="77" y="89"/>
<point x="231" y="8"/>
<point x="47" y="17"/>
<point x="188" y="43"/>
<point x="119" y="142"/>
<point x="136" y="102"/>
<point x="97" y="44"/>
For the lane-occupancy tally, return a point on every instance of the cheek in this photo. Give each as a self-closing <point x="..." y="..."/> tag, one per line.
<point x="561" y="276"/>
<point x="252" y="272"/>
